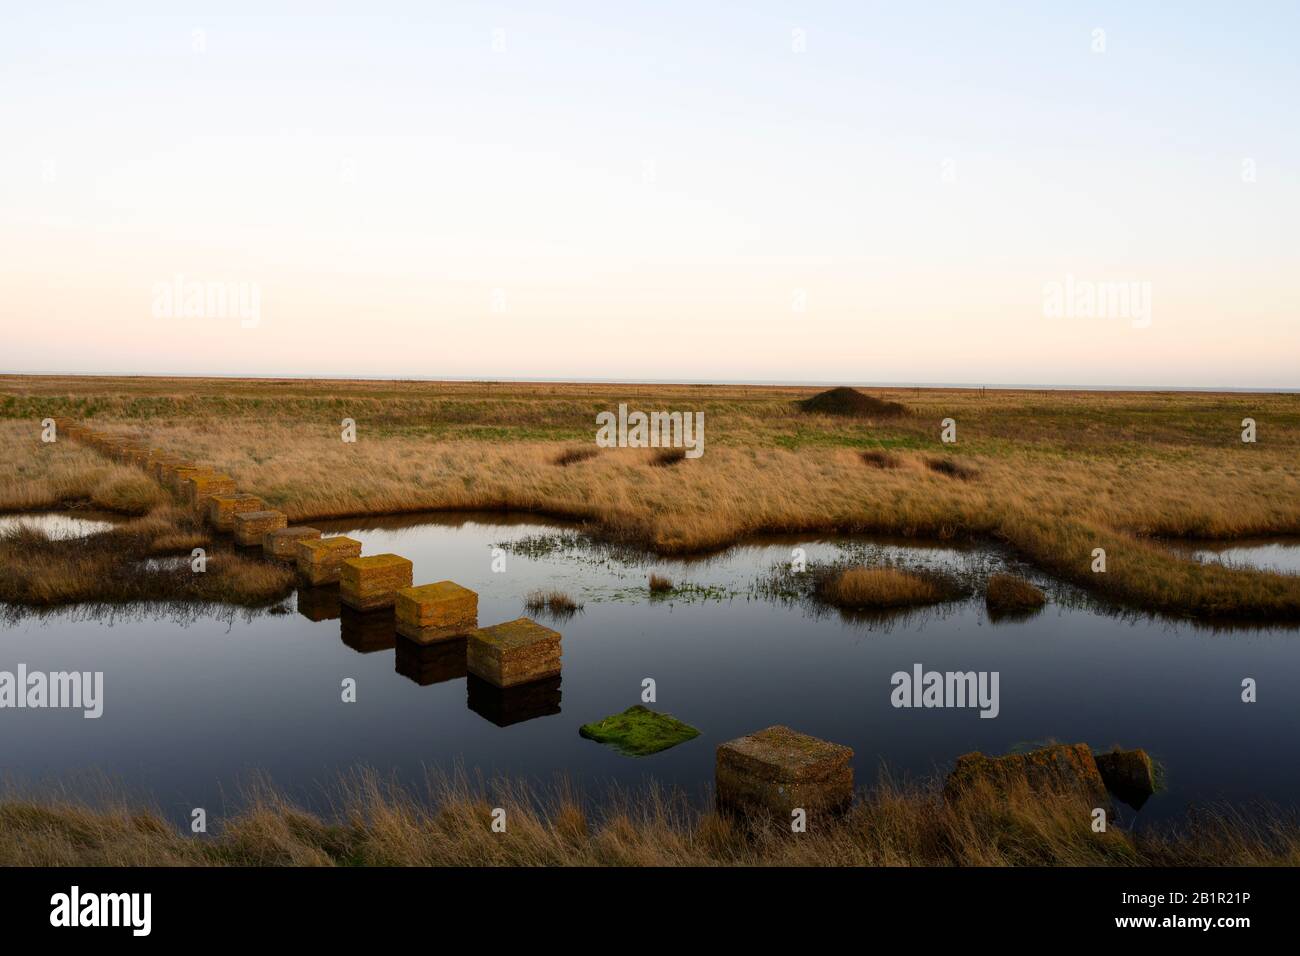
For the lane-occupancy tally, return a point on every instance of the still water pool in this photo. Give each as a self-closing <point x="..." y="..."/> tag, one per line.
<point x="197" y="700"/>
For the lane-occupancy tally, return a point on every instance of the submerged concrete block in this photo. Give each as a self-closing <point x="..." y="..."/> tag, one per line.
<point x="223" y="508"/>
<point x="779" y="770"/>
<point x="320" y="560"/>
<point x="516" y="652"/>
<point x="436" y="612"/>
<point x="1060" y="769"/>
<point x="251" y="525"/>
<point x="283" y="542"/>
<point x="1129" y="774"/>
<point x="373" y="582"/>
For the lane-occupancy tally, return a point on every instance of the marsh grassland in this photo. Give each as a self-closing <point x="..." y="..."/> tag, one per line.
<point x="1053" y="474"/>
<point x="448" y="823"/>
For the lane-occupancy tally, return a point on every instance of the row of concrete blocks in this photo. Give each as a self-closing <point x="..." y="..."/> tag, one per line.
<point x="245" y="516"/>
<point x="193" y="482"/>
<point x="509" y="654"/>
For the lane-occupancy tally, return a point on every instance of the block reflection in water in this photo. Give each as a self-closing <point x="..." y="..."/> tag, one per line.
<point x="430" y="663"/>
<point x="368" y="631"/>
<point x="319" y="604"/>
<point x="504" y="706"/>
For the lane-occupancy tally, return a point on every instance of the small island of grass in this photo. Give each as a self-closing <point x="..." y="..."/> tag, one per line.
<point x="639" y="731"/>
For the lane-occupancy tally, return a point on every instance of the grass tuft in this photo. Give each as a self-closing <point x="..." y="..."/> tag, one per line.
<point x="866" y="588"/>
<point x="557" y="602"/>
<point x="660" y="584"/>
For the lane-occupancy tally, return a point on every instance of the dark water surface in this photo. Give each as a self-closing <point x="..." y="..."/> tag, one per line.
<point x="194" y="703"/>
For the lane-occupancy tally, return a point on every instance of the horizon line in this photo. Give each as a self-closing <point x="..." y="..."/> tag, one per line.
<point x="773" y="383"/>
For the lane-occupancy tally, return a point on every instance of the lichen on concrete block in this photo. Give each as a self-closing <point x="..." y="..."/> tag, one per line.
<point x="203" y="486"/>
<point x="373" y="582"/>
<point x="515" y="652"/>
<point x="223" y="508"/>
<point x="436" y="612"/>
<point x="321" y="560"/>
<point x="283" y="542"/>
<point x="1058" y="769"/>
<point x="779" y="770"/>
<point x="250" y="526"/>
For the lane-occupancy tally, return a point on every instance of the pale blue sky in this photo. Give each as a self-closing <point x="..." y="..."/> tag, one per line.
<point x="663" y="191"/>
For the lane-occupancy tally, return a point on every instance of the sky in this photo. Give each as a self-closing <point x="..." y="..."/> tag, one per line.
<point x="1035" y="193"/>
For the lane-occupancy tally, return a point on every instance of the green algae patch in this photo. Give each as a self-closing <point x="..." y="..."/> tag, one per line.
<point x="639" y="731"/>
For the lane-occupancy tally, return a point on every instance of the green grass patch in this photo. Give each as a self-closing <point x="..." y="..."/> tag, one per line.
<point x="639" y="731"/>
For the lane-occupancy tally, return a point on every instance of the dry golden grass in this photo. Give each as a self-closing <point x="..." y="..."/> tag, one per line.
<point x="449" y="824"/>
<point x="1058" y="473"/>
<point x="881" y="587"/>
<point x="109" y="566"/>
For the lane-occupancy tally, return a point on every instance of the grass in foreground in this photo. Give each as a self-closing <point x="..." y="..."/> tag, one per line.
<point x="449" y="824"/>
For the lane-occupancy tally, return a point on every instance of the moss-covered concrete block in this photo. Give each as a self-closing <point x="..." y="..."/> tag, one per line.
<point x="515" y="652"/>
<point x="779" y="770"/>
<point x="436" y="612"/>
<point x="320" y="561"/>
<point x="283" y="542"/>
<point x="223" y="508"/>
<point x="639" y="731"/>
<point x="251" y="525"/>
<point x="373" y="582"/>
